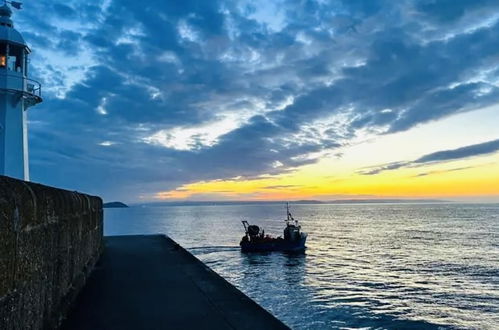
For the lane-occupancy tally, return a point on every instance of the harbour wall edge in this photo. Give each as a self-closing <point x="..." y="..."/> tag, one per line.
<point x="50" y="240"/>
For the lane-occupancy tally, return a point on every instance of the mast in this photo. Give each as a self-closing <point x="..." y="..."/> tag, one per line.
<point x="287" y="212"/>
<point x="289" y="216"/>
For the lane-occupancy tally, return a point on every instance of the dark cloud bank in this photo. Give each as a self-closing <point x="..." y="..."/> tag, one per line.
<point x="334" y="68"/>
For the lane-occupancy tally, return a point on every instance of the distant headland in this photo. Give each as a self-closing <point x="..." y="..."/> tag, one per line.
<point x="114" y="205"/>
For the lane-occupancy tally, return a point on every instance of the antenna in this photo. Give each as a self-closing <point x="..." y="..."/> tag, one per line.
<point x="287" y="211"/>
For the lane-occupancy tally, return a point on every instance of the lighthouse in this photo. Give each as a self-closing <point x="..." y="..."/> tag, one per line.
<point x="17" y="94"/>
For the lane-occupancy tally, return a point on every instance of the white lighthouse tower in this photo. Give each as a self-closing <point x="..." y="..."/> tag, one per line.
<point x="17" y="94"/>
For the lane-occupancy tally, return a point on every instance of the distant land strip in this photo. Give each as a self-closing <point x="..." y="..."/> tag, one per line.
<point x="337" y="201"/>
<point x="114" y="205"/>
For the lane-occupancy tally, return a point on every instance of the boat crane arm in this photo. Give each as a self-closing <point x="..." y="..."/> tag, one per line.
<point x="246" y="225"/>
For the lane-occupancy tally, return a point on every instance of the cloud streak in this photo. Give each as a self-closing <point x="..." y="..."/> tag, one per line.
<point x="439" y="157"/>
<point x="459" y="153"/>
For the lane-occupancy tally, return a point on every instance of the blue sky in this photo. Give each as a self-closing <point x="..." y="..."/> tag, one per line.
<point x="143" y="97"/>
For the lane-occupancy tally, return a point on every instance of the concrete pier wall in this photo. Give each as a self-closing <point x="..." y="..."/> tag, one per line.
<point x="151" y="282"/>
<point x="50" y="240"/>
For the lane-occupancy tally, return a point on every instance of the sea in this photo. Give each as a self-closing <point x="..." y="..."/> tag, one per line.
<point x="366" y="266"/>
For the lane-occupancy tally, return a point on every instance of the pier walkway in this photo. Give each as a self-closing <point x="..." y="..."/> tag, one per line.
<point x="150" y="282"/>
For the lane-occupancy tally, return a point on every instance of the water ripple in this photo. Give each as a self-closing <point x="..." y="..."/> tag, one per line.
<point x="366" y="266"/>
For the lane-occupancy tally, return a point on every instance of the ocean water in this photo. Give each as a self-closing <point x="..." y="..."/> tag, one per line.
<point x="367" y="266"/>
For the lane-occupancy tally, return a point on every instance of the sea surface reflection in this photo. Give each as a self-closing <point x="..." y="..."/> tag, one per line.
<point x="367" y="265"/>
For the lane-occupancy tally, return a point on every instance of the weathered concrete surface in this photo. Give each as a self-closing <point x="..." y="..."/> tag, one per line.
<point x="150" y="282"/>
<point x="50" y="240"/>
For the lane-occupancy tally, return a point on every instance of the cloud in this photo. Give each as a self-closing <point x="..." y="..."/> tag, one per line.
<point x="198" y="90"/>
<point x="383" y="168"/>
<point x="285" y="186"/>
<point x="439" y="157"/>
<point x="449" y="10"/>
<point x="464" y="152"/>
<point x="444" y="171"/>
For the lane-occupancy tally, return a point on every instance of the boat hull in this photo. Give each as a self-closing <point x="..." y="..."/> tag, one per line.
<point x="277" y="245"/>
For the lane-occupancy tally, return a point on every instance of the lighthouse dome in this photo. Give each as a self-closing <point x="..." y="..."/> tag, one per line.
<point x="11" y="35"/>
<point x="7" y="31"/>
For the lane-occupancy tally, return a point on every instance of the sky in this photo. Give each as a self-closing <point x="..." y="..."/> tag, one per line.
<point x="265" y="100"/>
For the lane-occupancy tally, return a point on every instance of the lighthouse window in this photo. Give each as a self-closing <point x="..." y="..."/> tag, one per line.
<point x="11" y="63"/>
<point x="3" y="56"/>
<point x="14" y="60"/>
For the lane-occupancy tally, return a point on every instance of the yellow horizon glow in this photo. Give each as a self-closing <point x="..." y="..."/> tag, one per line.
<point x="339" y="178"/>
<point x="477" y="177"/>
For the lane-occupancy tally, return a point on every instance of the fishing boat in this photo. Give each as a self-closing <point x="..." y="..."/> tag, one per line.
<point x="255" y="239"/>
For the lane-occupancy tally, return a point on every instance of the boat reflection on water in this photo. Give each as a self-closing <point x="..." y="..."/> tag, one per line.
<point x="255" y="239"/>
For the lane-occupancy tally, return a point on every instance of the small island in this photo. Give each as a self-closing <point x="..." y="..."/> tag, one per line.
<point x="114" y="205"/>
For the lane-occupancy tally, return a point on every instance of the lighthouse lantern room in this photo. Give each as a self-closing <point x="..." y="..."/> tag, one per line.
<point x="17" y="94"/>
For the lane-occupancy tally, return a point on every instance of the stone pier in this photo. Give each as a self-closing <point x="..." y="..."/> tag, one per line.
<point x="150" y="282"/>
<point x="50" y="240"/>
